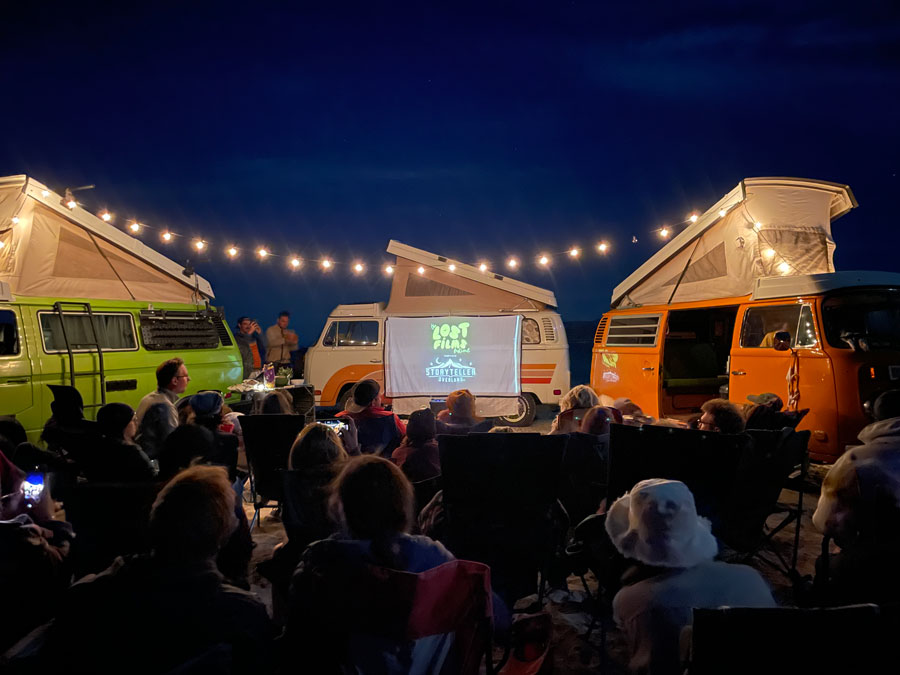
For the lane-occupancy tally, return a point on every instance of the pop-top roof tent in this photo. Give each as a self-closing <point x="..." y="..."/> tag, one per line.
<point x="49" y="250"/>
<point x="452" y="287"/>
<point x="764" y="227"/>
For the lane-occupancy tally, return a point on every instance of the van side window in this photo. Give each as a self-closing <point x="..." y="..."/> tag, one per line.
<point x="9" y="335"/>
<point x="761" y="324"/>
<point x="115" y="332"/>
<point x="531" y="332"/>
<point x="633" y="330"/>
<point x="357" y="333"/>
<point x="330" y="334"/>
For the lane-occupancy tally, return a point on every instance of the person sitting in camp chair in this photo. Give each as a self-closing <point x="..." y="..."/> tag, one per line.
<point x="378" y="431"/>
<point x="655" y="525"/>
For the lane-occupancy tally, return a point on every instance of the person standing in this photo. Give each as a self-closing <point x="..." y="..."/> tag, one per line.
<point x="251" y="344"/>
<point x="281" y="341"/>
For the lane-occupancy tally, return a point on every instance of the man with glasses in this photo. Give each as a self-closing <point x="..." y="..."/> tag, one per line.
<point x="156" y="416"/>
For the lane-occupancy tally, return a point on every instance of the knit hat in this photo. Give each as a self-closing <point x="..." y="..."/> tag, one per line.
<point x="206" y="403"/>
<point x="114" y="417"/>
<point x="362" y="395"/>
<point x="657" y="524"/>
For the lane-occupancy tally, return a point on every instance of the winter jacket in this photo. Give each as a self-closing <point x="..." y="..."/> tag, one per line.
<point x="244" y="342"/>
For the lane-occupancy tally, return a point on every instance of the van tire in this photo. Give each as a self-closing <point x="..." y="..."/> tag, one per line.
<point x="343" y="398"/>
<point x="527" y="411"/>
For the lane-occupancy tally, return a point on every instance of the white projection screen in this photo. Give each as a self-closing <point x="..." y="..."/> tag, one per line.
<point x="433" y="356"/>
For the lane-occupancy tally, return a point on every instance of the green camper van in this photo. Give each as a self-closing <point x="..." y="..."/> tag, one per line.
<point x="84" y="304"/>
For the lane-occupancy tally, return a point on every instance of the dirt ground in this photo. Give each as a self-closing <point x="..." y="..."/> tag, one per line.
<point x="571" y="608"/>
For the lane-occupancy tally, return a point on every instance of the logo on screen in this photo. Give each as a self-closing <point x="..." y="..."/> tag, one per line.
<point x="451" y="337"/>
<point x="449" y="371"/>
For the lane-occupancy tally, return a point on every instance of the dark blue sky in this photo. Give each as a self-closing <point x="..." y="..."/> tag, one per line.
<point x="473" y="130"/>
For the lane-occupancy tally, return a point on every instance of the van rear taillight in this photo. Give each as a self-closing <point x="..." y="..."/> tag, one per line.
<point x="557" y="392"/>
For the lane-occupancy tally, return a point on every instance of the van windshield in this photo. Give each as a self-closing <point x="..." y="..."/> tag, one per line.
<point x="864" y="319"/>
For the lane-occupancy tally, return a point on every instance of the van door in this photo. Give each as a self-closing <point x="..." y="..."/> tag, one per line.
<point x="756" y="368"/>
<point x="349" y="350"/>
<point x="16" y="394"/>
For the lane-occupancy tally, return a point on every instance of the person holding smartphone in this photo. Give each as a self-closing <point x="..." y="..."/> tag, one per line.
<point x="251" y="343"/>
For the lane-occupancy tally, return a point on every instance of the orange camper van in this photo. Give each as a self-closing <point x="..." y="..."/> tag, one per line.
<point x="698" y="320"/>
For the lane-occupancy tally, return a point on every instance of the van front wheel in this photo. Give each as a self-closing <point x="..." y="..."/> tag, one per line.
<point x="525" y="415"/>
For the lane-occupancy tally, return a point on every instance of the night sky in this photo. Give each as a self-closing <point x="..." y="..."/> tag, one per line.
<point x="471" y="130"/>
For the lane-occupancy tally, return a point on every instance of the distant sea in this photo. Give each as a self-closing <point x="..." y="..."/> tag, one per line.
<point x="581" y="341"/>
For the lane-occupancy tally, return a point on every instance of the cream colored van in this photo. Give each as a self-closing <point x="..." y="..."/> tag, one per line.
<point x="351" y="344"/>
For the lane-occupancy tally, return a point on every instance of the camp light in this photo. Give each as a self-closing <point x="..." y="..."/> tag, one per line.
<point x="135" y="227"/>
<point x="166" y="236"/>
<point x="106" y="216"/>
<point x="388" y="269"/>
<point x="199" y="244"/>
<point x="450" y="267"/>
<point x="262" y="253"/>
<point x="694" y="218"/>
<point x="232" y="251"/>
<point x="326" y="264"/>
<point x="421" y="270"/>
<point x="295" y="262"/>
<point x="512" y="263"/>
<point x="483" y="267"/>
<point x="544" y="260"/>
<point x="603" y="247"/>
<point x="574" y="252"/>
<point x="358" y="267"/>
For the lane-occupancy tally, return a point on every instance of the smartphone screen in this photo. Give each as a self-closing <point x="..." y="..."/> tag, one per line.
<point x="335" y="423"/>
<point x="33" y="487"/>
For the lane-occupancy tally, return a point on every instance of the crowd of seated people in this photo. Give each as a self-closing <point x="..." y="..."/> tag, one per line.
<point x="187" y="595"/>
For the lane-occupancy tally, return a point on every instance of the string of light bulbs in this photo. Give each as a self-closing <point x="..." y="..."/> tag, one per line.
<point x="295" y="261"/>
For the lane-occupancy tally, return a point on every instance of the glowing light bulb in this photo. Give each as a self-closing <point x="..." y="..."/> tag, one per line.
<point x="106" y="216"/>
<point x="135" y="227"/>
<point x="231" y="251"/>
<point x="327" y="264"/>
<point x="167" y="236"/>
<point x="722" y="213"/>
<point x="544" y="260"/>
<point x="769" y="253"/>
<point x="450" y="267"/>
<point x="388" y="269"/>
<point x="15" y="220"/>
<point x="421" y="270"/>
<point x="262" y="253"/>
<point x="694" y="218"/>
<point x="45" y="193"/>
<point x="71" y="203"/>
<point x="784" y="268"/>
<point x="358" y="268"/>
<point x="757" y="226"/>
<point x="295" y="262"/>
<point x="664" y="233"/>
<point x="512" y="263"/>
<point x="603" y="247"/>
<point x="483" y="267"/>
<point x="199" y="244"/>
<point x="574" y="252"/>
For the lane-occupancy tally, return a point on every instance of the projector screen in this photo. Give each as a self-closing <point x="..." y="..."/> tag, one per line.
<point x="434" y="356"/>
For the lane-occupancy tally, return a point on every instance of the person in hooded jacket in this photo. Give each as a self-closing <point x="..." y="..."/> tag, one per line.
<point x="117" y="458"/>
<point x="418" y="454"/>
<point x="859" y="510"/>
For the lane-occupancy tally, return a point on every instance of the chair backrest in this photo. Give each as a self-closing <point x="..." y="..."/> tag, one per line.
<point x="453" y="598"/>
<point x="109" y="519"/>
<point x="377" y="435"/>
<point x="499" y="498"/>
<point x="304" y="506"/>
<point x="456" y="429"/>
<point x="765" y="466"/>
<point x="739" y="640"/>
<point x="584" y="474"/>
<point x="267" y="441"/>
<point x="705" y="461"/>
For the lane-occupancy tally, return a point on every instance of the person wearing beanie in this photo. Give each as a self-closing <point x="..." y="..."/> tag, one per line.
<point x="118" y="459"/>
<point x="418" y="454"/>
<point x="207" y="407"/>
<point x="656" y="527"/>
<point x="459" y="416"/>
<point x="379" y="431"/>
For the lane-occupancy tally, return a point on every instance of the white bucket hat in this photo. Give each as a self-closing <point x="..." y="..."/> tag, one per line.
<point x="657" y="524"/>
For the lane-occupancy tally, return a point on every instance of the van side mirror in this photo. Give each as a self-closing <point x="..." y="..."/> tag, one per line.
<point x="782" y="341"/>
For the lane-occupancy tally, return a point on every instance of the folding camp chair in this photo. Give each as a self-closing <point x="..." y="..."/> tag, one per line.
<point x="374" y="619"/>
<point x="584" y="474"/>
<point x="775" y="460"/>
<point x="739" y="640"/>
<point x="267" y="441"/>
<point x="499" y="498"/>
